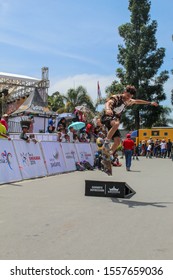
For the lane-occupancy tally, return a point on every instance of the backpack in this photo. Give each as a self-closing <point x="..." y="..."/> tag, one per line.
<point x="79" y="167"/>
<point x="87" y="165"/>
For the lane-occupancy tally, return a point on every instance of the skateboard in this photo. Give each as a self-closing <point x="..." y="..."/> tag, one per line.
<point x="106" y="161"/>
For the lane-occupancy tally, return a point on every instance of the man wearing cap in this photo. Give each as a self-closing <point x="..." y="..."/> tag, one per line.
<point x="114" y="107"/>
<point x="23" y="134"/>
<point x="128" y="145"/>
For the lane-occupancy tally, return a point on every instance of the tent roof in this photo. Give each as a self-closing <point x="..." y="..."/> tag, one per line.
<point x="18" y="77"/>
<point x="33" y="104"/>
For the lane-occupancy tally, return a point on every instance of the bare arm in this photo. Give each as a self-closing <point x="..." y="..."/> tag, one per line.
<point x="141" y="102"/>
<point x="5" y="136"/>
<point x="108" y="109"/>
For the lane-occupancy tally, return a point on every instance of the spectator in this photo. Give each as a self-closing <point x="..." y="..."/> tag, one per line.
<point x="83" y="138"/>
<point x="4" y="121"/>
<point x="136" y="151"/>
<point x="99" y="142"/>
<point x="163" y="148"/>
<point x="115" y="160"/>
<point x="143" y="148"/>
<point x="169" y="147"/>
<point x="172" y="152"/>
<point x="59" y="139"/>
<point x="31" y="127"/>
<point x="149" y="151"/>
<point x="24" y="135"/>
<point x="63" y="133"/>
<point x="3" y="131"/>
<point x="66" y="138"/>
<point x="97" y="126"/>
<point x="150" y="148"/>
<point x="62" y="123"/>
<point x="140" y="147"/>
<point x="128" y="145"/>
<point x="80" y="116"/>
<point x="89" y="130"/>
<point x="75" y="138"/>
<point x="71" y="134"/>
<point x="51" y="126"/>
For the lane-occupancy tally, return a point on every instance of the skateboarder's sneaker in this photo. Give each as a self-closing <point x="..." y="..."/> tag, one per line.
<point x="106" y="145"/>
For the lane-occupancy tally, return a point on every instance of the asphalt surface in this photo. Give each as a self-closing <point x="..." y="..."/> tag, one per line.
<point x="51" y="218"/>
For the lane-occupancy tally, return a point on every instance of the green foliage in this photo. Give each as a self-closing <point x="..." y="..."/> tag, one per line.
<point x="164" y="119"/>
<point x="114" y="88"/>
<point x="172" y="97"/>
<point x="77" y="97"/>
<point x="56" y="102"/>
<point x="141" y="60"/>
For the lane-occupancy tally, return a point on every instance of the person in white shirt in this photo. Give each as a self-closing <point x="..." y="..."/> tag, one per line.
<point x="149" y="151"/>
<point x="71" y="134"/>
<point x="163" y="148"/>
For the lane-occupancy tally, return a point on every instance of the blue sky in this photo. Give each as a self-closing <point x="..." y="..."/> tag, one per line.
<point x="78" y="40"/>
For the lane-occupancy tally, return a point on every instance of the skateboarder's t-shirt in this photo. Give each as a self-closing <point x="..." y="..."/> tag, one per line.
<point x="118" y="104"/>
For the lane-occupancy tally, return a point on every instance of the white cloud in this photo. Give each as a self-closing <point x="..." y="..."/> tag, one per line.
<point x="85" y="80"/>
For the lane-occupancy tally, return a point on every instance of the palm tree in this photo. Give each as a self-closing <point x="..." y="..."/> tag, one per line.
<point x="56" y="102"/>
<point x="76" y="97"/>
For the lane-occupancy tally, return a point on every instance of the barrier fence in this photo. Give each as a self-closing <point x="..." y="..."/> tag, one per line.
<point x="20" y="160"/>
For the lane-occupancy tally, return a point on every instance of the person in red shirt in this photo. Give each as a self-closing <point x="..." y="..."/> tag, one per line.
<point x="89" y="130"/>
<point x="128" y="145"/>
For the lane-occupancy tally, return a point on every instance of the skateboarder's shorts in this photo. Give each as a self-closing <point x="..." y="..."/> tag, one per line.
<point x="106" y="120"/>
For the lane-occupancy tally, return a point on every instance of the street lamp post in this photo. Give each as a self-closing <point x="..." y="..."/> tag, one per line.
<point x="4" y="93"/>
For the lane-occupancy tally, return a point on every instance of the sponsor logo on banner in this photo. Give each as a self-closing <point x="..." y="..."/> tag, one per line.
<point x="54" y="160"/>
<point x="5" y="158"/>
<point x="70" y="154"/>
<point x="56" y="155"/>
<point x="29" y="158"/>
<point x="85" y="155"/>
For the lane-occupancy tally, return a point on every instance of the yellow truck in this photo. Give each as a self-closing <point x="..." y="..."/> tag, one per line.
<point x="157" y="133"/>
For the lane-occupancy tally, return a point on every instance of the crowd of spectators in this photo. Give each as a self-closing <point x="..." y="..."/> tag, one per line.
<point x="89" y="133"/>
<point x="154" y="148"/>
<point x="93" y="131"/>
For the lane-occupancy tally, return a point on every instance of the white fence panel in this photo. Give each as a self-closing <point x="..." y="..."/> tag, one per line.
<point x="9" y="167"/>
<point x="70" y="155"/>
<point x="54" y="158"/>
<point x="84" y="152"/>
<point x="30" y="159"/>
<point x="94" y="148"/>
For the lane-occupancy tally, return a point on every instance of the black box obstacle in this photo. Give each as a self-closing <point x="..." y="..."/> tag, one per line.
<point x="108" y="189"/>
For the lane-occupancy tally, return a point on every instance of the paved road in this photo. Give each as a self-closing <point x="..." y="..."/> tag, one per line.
<point x="51" y="218"/>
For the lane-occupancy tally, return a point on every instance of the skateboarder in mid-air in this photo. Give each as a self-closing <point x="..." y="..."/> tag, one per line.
<point x="114" y="107"/>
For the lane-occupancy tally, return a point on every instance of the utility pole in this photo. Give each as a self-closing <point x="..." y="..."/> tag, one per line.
<point x="3" y="93"/>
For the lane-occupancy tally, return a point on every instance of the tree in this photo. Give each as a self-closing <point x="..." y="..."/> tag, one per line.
<point x="141" y="60"/>
<point x="76" y="97"/>
<point x="164" y="118"/>
<point x="56" y="102"/>
<point x="172" y="91"/>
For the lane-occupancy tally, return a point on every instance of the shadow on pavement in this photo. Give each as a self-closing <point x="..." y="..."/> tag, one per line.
<point x="133" y="204"/>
